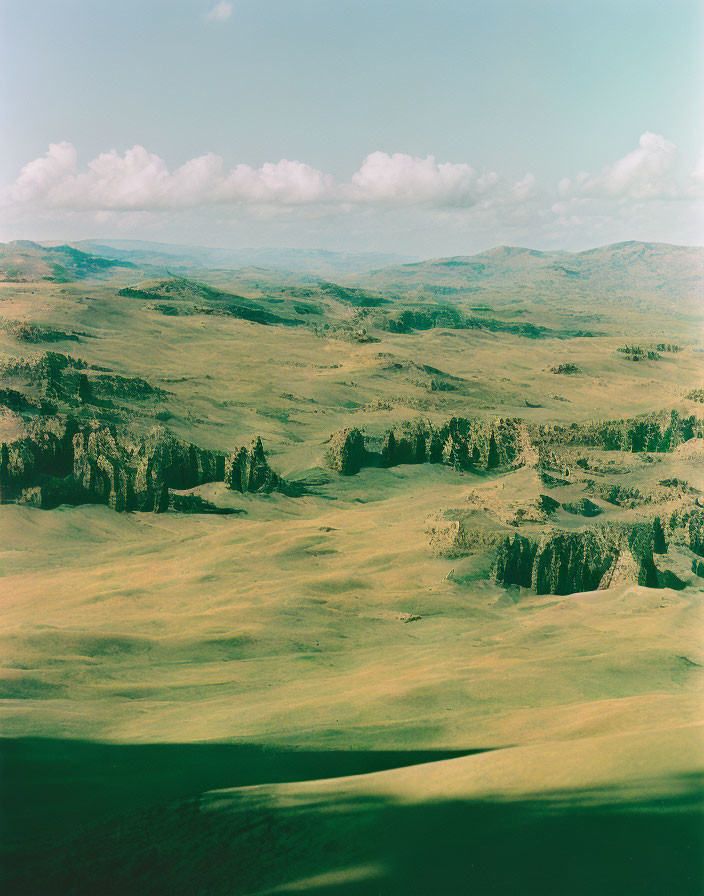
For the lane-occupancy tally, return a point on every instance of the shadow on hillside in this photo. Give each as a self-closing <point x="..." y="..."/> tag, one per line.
<point x="50" y="785"/>
<point x="335" y="843"/>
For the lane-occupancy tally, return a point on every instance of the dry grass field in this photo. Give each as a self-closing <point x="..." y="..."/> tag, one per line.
<point x="330" y="688"/>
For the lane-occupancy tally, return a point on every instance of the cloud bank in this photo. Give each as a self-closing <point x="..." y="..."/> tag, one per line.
<point x="645" y="184"/>
<point x="646" y="172"/>
<point x="140" y="180"/>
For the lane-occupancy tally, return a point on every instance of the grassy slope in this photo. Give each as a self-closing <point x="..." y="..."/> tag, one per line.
<point x="281" y="627"/>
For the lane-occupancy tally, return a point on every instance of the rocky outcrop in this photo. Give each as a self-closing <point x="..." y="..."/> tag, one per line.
<point x="52" y="374"/>
<point x="548" y="504"/>
<point x="61" y="461"/>
<point x="26" y="405"/>
<point x="659" y="540"/>
<point x="583" y="507"/>
<point x="456" y="534"/>
<point x="624" y="570"/>
<point x="105" y="472"/>
<point x="659" y="432"/>
<point x="137" y="475"/>
<point x="71" y="382"/>
<point x="552" y="468"/>
<point x="247" y="470"/>
<point x="196" y="504"/>
<point x="475" y="444"/>
<point x="129" y="388"/>
<point x="25" y="331"/>
<point x="696" y="532"/>
<point x="43" y="455"/>
<point x="565" y="562"/>
<point x="514" y="561"/>
<point x="463" y="443"/>
<point x="618" y="495"/>
<point x="346" y="452"/>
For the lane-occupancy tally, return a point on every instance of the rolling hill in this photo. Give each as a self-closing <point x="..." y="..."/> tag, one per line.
<point x="629" y="271"/>
<point x="24" y="261"/>
<point x="316" y="262"/>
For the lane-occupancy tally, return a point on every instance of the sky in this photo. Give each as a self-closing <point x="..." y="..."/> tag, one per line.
<point x="421" y="128"/>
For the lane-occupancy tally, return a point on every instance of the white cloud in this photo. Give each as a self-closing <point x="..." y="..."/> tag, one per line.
<point x="400" y="178"/>
<point x="221" y="12"/>
<point x="139" y="179"/>
<point x="527" y="188"/>
<point x="643" y="173"/>
<point x="136" y="180"/>
<point x="645" y="194"/>
<point x="38" y="178"/>
<point x="196" y="180"/>
<point x="285" y="182"/>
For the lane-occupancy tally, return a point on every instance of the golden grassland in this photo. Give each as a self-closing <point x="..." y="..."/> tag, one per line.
<point x="500" y="742"/>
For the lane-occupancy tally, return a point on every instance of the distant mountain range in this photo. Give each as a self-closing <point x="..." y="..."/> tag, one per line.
<point x="318" y="262"/>
<point x="24" y="260"/>
<point x="631" y="269"/>
<point x="636" y="272"/>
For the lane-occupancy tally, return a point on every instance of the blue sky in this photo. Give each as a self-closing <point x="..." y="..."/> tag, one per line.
<point x="426" y="128"/>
